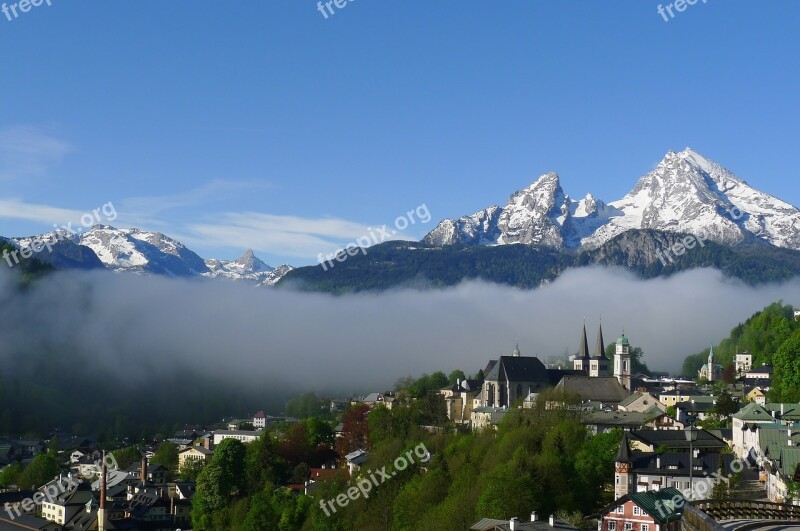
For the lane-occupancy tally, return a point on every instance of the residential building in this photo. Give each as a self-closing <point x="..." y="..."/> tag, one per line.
<point x="743" y="362"/>
<point x="515" y="524"/>
<point x="674" y="440"/>
<point x="244" y="436"/>
<point x="461" y="398"/>
<point x="645" y="471"/>
<point x="760" y="373"/>
<point x="744" y="439"/>
<point x="194" y="453"/>
<point x="487" y="416"/>
<point x="757" y="395"/>
<point x="641" y="401"/>
<point x="659" y="510"/>
<point x="259" y="420"/>
<point x="605" y="421"/>
<point x="782" y="470"/>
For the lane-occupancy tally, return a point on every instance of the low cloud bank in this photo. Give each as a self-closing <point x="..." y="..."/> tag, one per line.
<point x="139" y="325"/>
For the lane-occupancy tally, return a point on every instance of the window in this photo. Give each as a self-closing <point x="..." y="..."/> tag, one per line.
<point x="628" y="527"/>
<point x="612" y="526"/>
<point x="636" y="510"/>
<point x="621" y="509"/>
<point x="645" y="527"/>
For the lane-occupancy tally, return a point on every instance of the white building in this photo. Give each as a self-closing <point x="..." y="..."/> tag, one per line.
<point x="744" y="362"/>
<point x="259" y="420"/>
<point x="240" y="435"/>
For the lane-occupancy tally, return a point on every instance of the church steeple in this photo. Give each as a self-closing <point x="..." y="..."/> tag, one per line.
<point x="583" y="347"/>
<point x="600" y="347"/>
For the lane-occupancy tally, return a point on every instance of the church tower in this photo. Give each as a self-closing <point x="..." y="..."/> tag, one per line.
<point x="582" y="360"/>
<point x="711" y="365"/>
<point x="599" y="367"/>
<point x="622" y="362"/>
<point x="622" y="473"/>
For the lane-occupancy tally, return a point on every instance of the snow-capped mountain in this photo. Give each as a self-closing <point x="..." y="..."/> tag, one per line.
<point x="139" y="251"/>
<point x="246" y="267"/>
<point x="685" y="193"/>
<point x="275" y="275"/>
<point x="142" y="251"/>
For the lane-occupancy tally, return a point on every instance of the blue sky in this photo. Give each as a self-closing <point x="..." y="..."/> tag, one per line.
<point x="264" y="125"/>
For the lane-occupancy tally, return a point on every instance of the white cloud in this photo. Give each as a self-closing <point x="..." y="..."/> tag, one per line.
<point x="28" y="151"/>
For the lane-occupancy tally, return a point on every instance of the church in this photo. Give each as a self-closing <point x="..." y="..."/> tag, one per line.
<point x="711" y="371"/>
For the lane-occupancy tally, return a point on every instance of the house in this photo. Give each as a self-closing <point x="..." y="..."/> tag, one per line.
<point x="659" y="510"/>
<point x="68" y="503"/>
<point x="760" y="373"/>
<point x="796" y="313"/>
<point x="194" y="453"/>
<point x="486" y="416"/>
<point x="461" y="398"/>
<point x="514" y="524"/>
<point x="638" y="471"/>
<point x="641" y="401"/>
<point x="355" y="460"/>
<point x="317" y="475"/>
<point x="699" y="407"/>
<point x="782" y="470"/>
<point x="743" y="363"/>
<point x="674" y="440"/>
<point x="374" y="399"/>
<point x="26" y="522"/>
<point x="757" y="395"/>
<point x="244" y="436"/>
<point x="743" y="439"/>
<point x="605" y="421"/>
<point x="259" y="420"/>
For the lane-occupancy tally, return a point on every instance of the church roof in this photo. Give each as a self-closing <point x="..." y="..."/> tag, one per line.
<point x="522" y="369"/>
<point x="605" y="389"/>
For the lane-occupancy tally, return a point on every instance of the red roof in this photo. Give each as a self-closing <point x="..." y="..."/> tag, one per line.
<point x="260" y="415"/>
<point x="324" y="474"/>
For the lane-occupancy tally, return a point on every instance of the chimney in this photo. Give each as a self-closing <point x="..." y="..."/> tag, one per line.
<point x="552" y="520"/>
<point x="534" y="516"/>
<point x="144" y="468"/>
<point x="658" y="462"/>
<point x="172" y="506"/>
<point x="781" y="410"/>
<point x="512" y="524"/>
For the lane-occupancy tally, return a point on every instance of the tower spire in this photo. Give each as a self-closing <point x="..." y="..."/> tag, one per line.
<point x="600" y="347"/>
<point x="583" y="347"/>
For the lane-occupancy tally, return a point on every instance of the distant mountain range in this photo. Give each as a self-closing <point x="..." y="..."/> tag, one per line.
<point x="541" y="231"/>
<point x="533" y="238"/>
<point x="139" y="251"/>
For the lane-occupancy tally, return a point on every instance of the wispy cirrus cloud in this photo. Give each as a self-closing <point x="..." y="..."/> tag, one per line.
<point x="285" y="235"/>
<point x="45" y="214"/>
<point x="28" y="151"/>
<point x="148" y="209"/>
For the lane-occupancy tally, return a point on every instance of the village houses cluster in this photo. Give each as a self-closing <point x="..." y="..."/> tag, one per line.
<point x="664" y="461"/>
